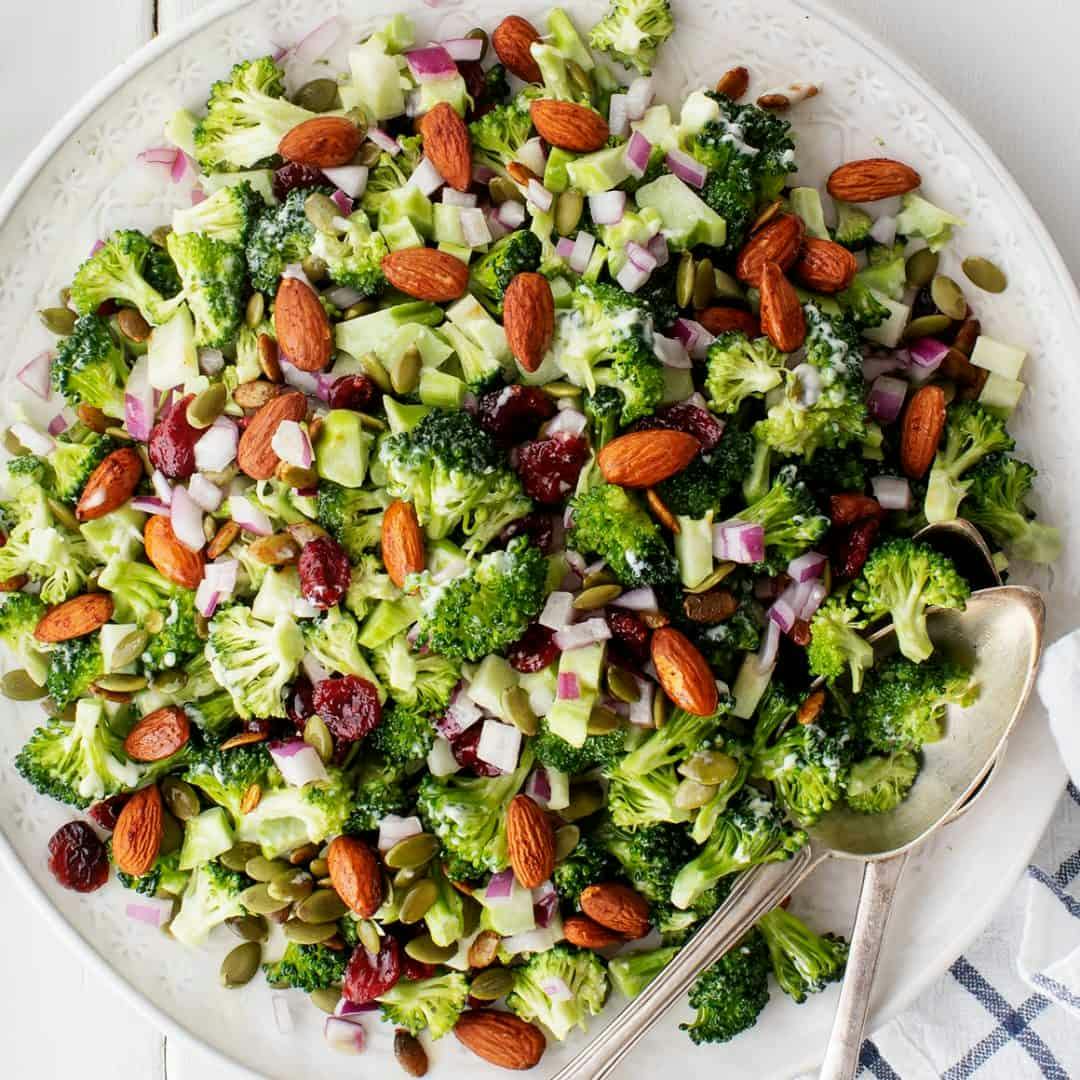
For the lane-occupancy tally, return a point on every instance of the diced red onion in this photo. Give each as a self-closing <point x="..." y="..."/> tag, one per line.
<point x="342" y="202"/>
<point x="307" y="382"/>
<point x="206" y="494"/>
<point x="222" y="575"/>
<point x="558" y="610"/>
<point x="642" y="599"/>
<point x="158" y="155"/>
<point x="640" y="713"/>
<point x="216" y="447"/>
<point x="782" y="613"/>
<point x="575" y="559"/>
<point x="608" y="207"/>
<point x="318" y="42"/>
<point x="927" y="352"/>
<point x="500" y="886"/>
<point x="298" y="763"/>
<point x="384" y="141"/>
<point x="815" y="594"/>
<point x="618" y="115"/>
<point x="162" y="488"/>
<point x="344" y="1007"/>
<point x="482" y="174"/>
<point x="545" y="903"/>
<point x="533" y="941"/>
<point x="555" y="988"/>
<point x="151" y="910"/>
<point x="58" y="424"/>
<point x="631" y="277"/>
<point x="34" y="375"/>
<point x="689" y="170"/>
<point x="34" y="441"/>
<point x="883" y="231"/>
<point x="886" y="398"/>
<point x="440" y="758"/>
<point x="291" y="443"/>
<point x="341" y="296"/>
<point x="464" y="48"/>
<point x="426" y="177"/>
<point x="770" y="645"/>
<point x="538" y="786"/>
<point x="460" y="715"/>
<point x="351" y="179"/>
<point x="149" y="504"/>
<point x="431" y="62"/>
<point x="511" y="213"/>
<point x="344" y="1034"/>
<point x="499" y="745"/>
<point x="694" y="336"/>
<point x="893" y="492"/>
<point x="641" y="257"/>
<point x="581" y="634"/>
<point x="877" y="363"/>
<point x="248" y="516"/>
<point x="806" y="567"/>
<point x="186" y="517"/>
<point x="139" y="400"/>
<point x="659" y="250"/>
<point x="453" y="197"/>
<point x="640" y="96"/>
<point x="739" y="541"/>
<point x="671" y="352"/>
<point x="474" y="227"/>
<point x="581" y="252"/>
<point x="564" y="248"/>
<point x="393" y="829"/>
<point x="568" y="688"/>
<point x="533" y="155"/>
<point x="206" y="599"/>
<point x="539" y="196"/>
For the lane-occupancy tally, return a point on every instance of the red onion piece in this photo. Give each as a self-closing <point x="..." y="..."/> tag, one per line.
<point x="806" y="567"/>
<point x="631" y="277"/>
<point x="927" y="352"/>
<point x="474" y="227"/>
<point x="539" y="196"/>
<point x="659" y="250"/>
<point x="538" y="787"/>
<point x="197" y="196"/>
<point x="640" y="96"/>
<point x="464" y="48"/>
<point x="460" y="715"/>
<point x="641" y="257"/>
<point x="671" y="352"/>
<point x="58" y="424"/>
<point x="584" y="244"/>
<point x="482" y="174"/>
<point x="608" y="207"/>
<point x="291" y="443"/>
<point x="426" y="177"/>
<point x="886" y="398"/>
<point x="318" y="42"/>
<point x="384" y="141"/>
<point x="618" y="115"/>
<point x="431" y="62"/>
<point x="181" y="164"/>
<point x="769" y="647"/>
<point x="393" y="829"/>
<point x="556" y="989"/>
<point x="689" y="170"/>
<point x="344" y="1034"/>
<point x="883" y="231"/>
<point x="208" y="495"/>
<point x="453" y="197"/>
<point x="149" y="504"/>
<point x="694" y="336"/>
<point x="581" y="634"/>
<point x="783" y="614"/>
<point x="511" y="213"/>
<point x="216" y="448"/>
<point x="499" y="745"/>
<point x="158" y="155"/>
<point x="500" y="886"/>
<point x="569" y="421"/>
<point x="342" y="202"/>
<point x="640" y="713"/>
<point x="815" y="594"/>
<point x="883" y="363"/>
<point x="298" y="763"/>
<point x="206" y="599"/>
<point x="151" y="910"/>
<point x="186" y="517"/>
<point x="893" y="492"/>
<point x="558" y="611"/>
<point x="34" y="375"/>
<point x="350" y="179"/>
<point x="545" y="904"/>
<point x="248" y="516"/>
<point x="162" y="488"/>
<point x="642" y="599"/>
<point x="568" y="687"/>
<point x="533" y="155"/>
<point x="565" y="247"/>
<point x="739" y="541"/>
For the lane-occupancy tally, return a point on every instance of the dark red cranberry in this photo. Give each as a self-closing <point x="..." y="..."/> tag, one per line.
<point x="476" y="84"/>
<point x="851" y="548"/>
<point x="324" y="571"/>
<point x="629" y="631"/>
<point x="691" y="419"/>
<point x="464" y="748"/>
<point x="296" y="176"/>
<point x="549" y="468"/>
<point x="108" y="810"/>
<point x="349" y="707"/>
<point x="353" y="392"/>
<point x="534" y="650"/>
<point x="300" y="703"/>
<point x="107" y="308"/>
<point x="514" y="413"/>
<point x="850" y="506"/>
<point x="77" y="857"/>
<point x="539" y="528"/>
<point x="172" y="441"/>
<point x="416" y="969"/>
<point x="369" y="975"/>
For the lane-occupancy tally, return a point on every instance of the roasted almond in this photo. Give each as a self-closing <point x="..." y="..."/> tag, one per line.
<point x="719" y="319"/>
<point x="781" y="313"/>
<point x="733" y="83"/>
<point x="617" y="907"/>
<point x="501" y="1038"/>
<point x="512" y="40"/>
<point x="920" y="431"/>
<point x="136" y="839"/>
<point x="158" y="735"/>
<point x="178" y="563"/>
<point x="529" y="318"/>
<point x="75" y="617"/>
<point x="871" y="179"/>
<point x="302" y="327"/>
<point x="426" y="274"/>
<point x="778" y="241"/>
<point x="683" y="673"/>
<point x="355" y="875"/>
<point x="447" y="145"/>
<point x="641" y="459"/>
<point x="569" y="126"/>
<point x="322" y="141"/>
<point x="402" y="542"/>
<point x="110" y="485"/>
<point x="587" y="933"/>
<point x="255" y="456"/>
<point x="824" y="266"/>
<point x="530" y="842"/>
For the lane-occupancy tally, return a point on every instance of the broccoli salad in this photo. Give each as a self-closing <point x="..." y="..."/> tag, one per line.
<point x="453" y="563"/>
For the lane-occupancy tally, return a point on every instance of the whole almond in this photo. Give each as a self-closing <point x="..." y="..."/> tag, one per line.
<point x="75" y="618"/>
<point x="824" y="266"/>
<point x="302" y="327"/>
<point x="512" y="39"/>
<point x="529" y="318"/>
<point x="587" y="933"/>
<point x="322" y="141"/>
<point x="733" y="83"/>
<point x="781" y="313"/>
<point x="683" y="673"/>
<point x="255" y="456"/>
<point x="501" y="1038"/>
<point x="110" y="485"/>
<point x="402" y="542"/>
<point x="871" y="179"/>
<point x="641" y="459"/>
<point x="178" y="563"/>
<point x="778" y="241"/>
<point x="719" y="319"/>
<point x="136" y="839"/>
<point x="920" y="431"/>
<point x="426" y="274"/>
<point x="569" y="126"/>
<point x="158" y="735"/>
<point x="356" y="875"/>
<point x="447" y="145"/>
<point x="530" y="841"/>
<point x="617" y="907"/>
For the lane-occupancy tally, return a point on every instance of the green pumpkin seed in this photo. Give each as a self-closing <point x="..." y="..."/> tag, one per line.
<point x="985" y="274"/>
<point x="704" y="284"/>
<point x="295" y="476"/>
<point x="603" y="721"/>
<point x="317" y="734"/>
<point x="122" y="684"/>
<point x="257" y="899"/>
<point x="369" y="364"/>
<point x="368" y="155"/>
<point x="131" y="646"/>
<point x="18" y="686"/>
<point x="921" y="268"/>
<point x="239" y="855"/>
<point x="596" y="597"/>
<point x="160" y="236"/>
<point x="315" y="269"/>
<point x="515" y="703"/>
<point x="566" y="839"/>
<point x="249" y="927"/>
<point x="603" y="576"/>
<point x="318" y="96"/>
<point x="404" y="372"/>
<point x="726" y="287"/>
<point x="369" y="936"/>
<point x="319" y="868"/>
<point x="426" y="951"/>
<point x="172" y="835"/>
<point x="326" y="1000"/>
<point x="689" y="795"/>
<point x="713" y="579"/>
<point x="579" y="77"/>
<point x="478" y="34"/>
<point x="684" y="280"/>
<point x="559" y="389"/>
<point x="418" y="901"/>
<point x="261" y="868"/>
<point x="622" y="685"/>
<point x="412" y="852"/>
<point x="948" y="297"/>
<point x="180" y="798"/>
<point x="407" y="875"/>
<point x="927" y="326"/>
<point x="119" y="433"/>
<point x="470" y="915"/>
<point x="503" y="190"/>
<point x="12" y="444"/>
<point x="239" y="966"/>
<point x="585" y="799"/>
<point x="491" y="984"/>
<point x="206" y="406"/>
<point x="166" y="682"/>
<point x="309" y="933"/>
<point x="321" y="210"/>
<point x="58" y="320"/>
<point x="323" y="905"/>
<point x="361" y="307"/>
<point x="256" y="308"/>
<point x="568" y="211"/>
<point x="710" y="767"/>
<point x="64" y="514"/>
<point x="659" y="710"/>
<point x="373" y="423"/>
<point x="294" y="885"/>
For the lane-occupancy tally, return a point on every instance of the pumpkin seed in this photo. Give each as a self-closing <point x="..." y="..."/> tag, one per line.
<point x="372" y="423"/>
<point x="261" y="868"/>
<point x="371" y="367"/>
<point x="159" y="236"/>
<point x="479" y="34"/>
<point x="585" y="799"/>
<point x="254" y="394"/>
<point x="503" y="190"/>
<point x="579" y="77"/>
<point x="323" y="905"/>
<point x="948" y="297"/>
<point x="256" y="308"/>
<point x="301" y="856"/>
<point x="427" y="952"/>
<point x="603" y="576"/>
<point x="727" y="287"/>
<point x="12" y="444"/>
<point x="319" y="868"/>
<point x="320" y="210"/>
<point x="713" y="579"/>
<point x="206" y="406"/>
<point x="172" y="836"/>
<point x="689" y="795"/>
<point x="132" y="325"/>
<point x="361" y="307"/>
<point x="926" y="326"/>
<point x="294" y="884"/>
<point x="249" y="927"/>
<point x="566" y="839"/>
<point x="921" y="268"/>
<point x="985" y="274"/>
<point x="515" y="703"/>
<point x="491" y="984"/>
<point x="239" y="855"/>
<point x="407" y="875"/>
<point x="559" y="389"/>
<point x="240" y="965"/>
<point x="63" y="514"/>
<point x="167" y="682"/>
<point x="326" y="1000"/>
<point x="404" y="372"/>
<point x="412" y="852"/>
<point x="596" y="597"/>
<point x="296" y="476"/>
<point x="317" y="734"/>
<point x="704" y="284"/>
<point x="122" y="684"/>
<point x="309" y="933"/>
<point x="319" y="95"/>
<point x="659" y="710"/>
<point x="119" y="433"/>
<point x="568" y="211"/>
<point x="369" y="936"/>
<point x="315" y="269"/>
<point x="180" y="798"/>
<point x="622" y="685"/>
<point x="18" y="686"/>
<point x="58" y="320"/>
<point x="131" y="646"/>
<point x="368" y="155"/>
<point x="710" y="767"/>
<point x="257" y="899"/>
<point x="603" y="721"/>
<point x="418" y="901"/>
<point x="684" y="280"/>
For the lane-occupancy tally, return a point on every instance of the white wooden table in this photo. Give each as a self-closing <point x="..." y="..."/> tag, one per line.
<point x="1010" y="68"/>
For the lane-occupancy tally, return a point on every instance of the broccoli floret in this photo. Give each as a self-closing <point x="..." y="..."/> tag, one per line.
<point x="73" y="462"/>
<point x="308" y="968"/>
<point x="445" y="919"/>
<point x="730" y="995"/>
<point x="164" y="878"/>
<point x="597" y="751"/>
<point x="89" y="367"/>
<point x="379" y="791"/>
<point x="246" y="117"/>
<point x="831" y="470"/>
<point x="681" y="735"/>
<point x="352" y="516"/>
<point x="862" y="309"/>
<point x="603" y="407"/>
<point x="710" y="477"/>
<point x="836" y="645"/>
<point x="852" y="226"/>
<point x="739" y="367"/>
<point x="390" y="173"/>
<point x="19" y="615"/>
<point x="650" y="857"/>
<point x="228" y="215"/>
<point x="416" y="679"/>
<point x="434" y="1004"/>
<point x="996" y="503"/>
<point x="73" y="666"/>
<point x="212" y="896"/>
<point x="632" y="31"/>
<point x="512" y="255"/>
<point x="214" y="282"/>
<point x="971" y="433"/>
<point x="789" y="515"/>
<point x="213" y="715"/>
<point x="735" y="749"/>
<point x="632" y="972"/>
<point x="803" y="962"/>
<point x="903" y="704"/>
<point x="116" y="272"/>
<point x="468" y="815"/>
<point x="586" y="865"/>
<point x="808" y="767"/>
<point x="404" y="736"/>
<point x="254" y="660"/>
<point x="281" y="235"/>
<point x="353" y="255"/>
<point x="776" y="708"/>
<point x="902" y="578"/>
<point x="333" y="639"/>
<point x="224" y="776"/>
<point x="752" y="830"/>
<point x="160" y="272"/>
<point x="635" y="802"/>
<point x="880" y="783"/>
<point x="578" y="969"/>
<point x="609" y="522"/>
<point x="500" y="133"/>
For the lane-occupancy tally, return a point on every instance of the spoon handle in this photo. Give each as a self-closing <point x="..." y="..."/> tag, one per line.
<point x="758" y="891"/>
<point x="879" y="883"/>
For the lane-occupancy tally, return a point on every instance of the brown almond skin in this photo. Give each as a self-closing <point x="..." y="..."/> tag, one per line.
<point x="501" y="1038"/>
<point x="427" y="274"/>
<point x="178" y="563"/>
<point x="530" y="841"/>
<point x="448" y="145"/>
<point x="719" y="319"/>
<point x="920" y="432"/>
<point x="110" y="485"/>
<point x="75" y="618"/>
<point x="871" y="179"/>
<point x="824" y="266"/>
<point x="569" y="126"/>
<point x="641" y="459"/>
<point x="781" y="313"/>
<point x="402" y="542"/>
<point x="529" y="318"/>
<point x="617" y="907"/>
<point x="356" y="875"/>
<point x="587" y="933"/>
<point x="255" y="455"/>
<point x="158" y="735"/>
<point x="302" y="327"/>
<point x="136" y="839"/>
<point x="734" y="83"/>
<point x="323" y="141"/>
<point x="811" y="707"/>
<point x="683" y="672"/>
<point x="778" y="241"/>
<point x="511" y="40"/>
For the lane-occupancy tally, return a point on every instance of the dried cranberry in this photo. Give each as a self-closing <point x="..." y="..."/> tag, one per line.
<point x="369" y="975"/>
<point x="539" y="528"/>
<point x="512" y="415"/>
<point x="549" y="467"/>
<point x="534" y="650"/>
<point x="851" y="506"/>
<point x="172" y="441"/>
<point x="691" y="419"/>
<point x="851" y="549"/>
<point x="77" y="857"/>
<point x="349" y="707"/>
<point x="629" y="630"/>
<point x="353" y="392"/>
<point x="923" y="304"/>
<point x="296" y="176"/>
<point x="476" y="84"/>
<point x="108" y="810"/>
<point x="107" y="308"/>
<point x="324" y="571"/>
<point x="464" y="748"/>
<point x="416" y="969"/>
<point x="800" y="632"/>
<point x="300" y="703"/>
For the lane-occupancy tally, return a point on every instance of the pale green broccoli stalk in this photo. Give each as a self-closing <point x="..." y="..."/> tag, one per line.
<point x="19" y="615"/>
<point x="282" y="235"/>
<point x="996" y="503"/>
<point x="228" y="215"/>
<point x="90" y="367"/>
<point x="836" y="645"/>
<point x="426" y="1004"/>
<point x="541" y="983"/>
<point x="808" y="767"/>
<point x="636" y="802"/>
<point x="212" y="896"/>
<point x="632" y="31"/>
<point x="555" y="75"/>
<point x="445" y="918"/>
<point x="788" y="514"/>
<point x="73" y="461"/>
<point x="333" y="639"/>
<point x="776" y="708"/>
<point x="739" y="368"/>
<point x="803" y="962"/>
<point x="368" y="584"/>
<point x="416" y="679"/>
<point x="920" y="218"/>
<point x="681" y="735"/>
<point x="116" y="272"/>
<point x="353" y="254"/>
<point x="214" y="281"/>
<point x="632" y="972"/>
<point x="861" y="307"/>
<point x="500" y="133"/>
<point x="881" y="782"/>
<point x="512" y="255"/>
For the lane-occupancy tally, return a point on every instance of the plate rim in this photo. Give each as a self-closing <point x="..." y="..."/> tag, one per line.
<point x="63" y="129"/>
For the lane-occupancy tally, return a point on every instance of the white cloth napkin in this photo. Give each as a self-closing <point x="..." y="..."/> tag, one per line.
<point x="1059" y="687"/>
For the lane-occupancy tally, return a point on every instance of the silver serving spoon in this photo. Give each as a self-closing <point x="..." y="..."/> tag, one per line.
<point x="1000" y="635"/>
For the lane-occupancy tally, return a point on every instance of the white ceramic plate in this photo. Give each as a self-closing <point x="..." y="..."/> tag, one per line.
<point x="83" y="181"/>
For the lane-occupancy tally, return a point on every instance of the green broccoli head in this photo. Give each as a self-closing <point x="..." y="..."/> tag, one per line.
<point x="776" y="708"/>
<point x="352" y="516"/>
<point x="379" y="791"/>
<point x="996" y="502"/>
<point x="632" y="31"/>
<point x="426" y="1004"/>
<point x="160" y="272"/>
<point x="603" y="407"/>
<point x="212" y="896"/>
<point x="224" y="776"/>
<point x="213" y="715"/>
<point x="808" y="767"/>
<point x="710" y="478"/>
<point x="404" y="736"/>
<point x="739" y="368"/>
<point x="214" y="280"/>
<point x="500" y="133"/>
<point x="578" y="970"/>
<point x="649" y="857"/>
<point x="391" y="172"/>
<point x="19" y="615"/>
<point x="588" y="864"/>
<point x="832" y="469"/>
<point x="598" y="751"/>
<point x="73" y="666"/>
<point x="517" y="253"/>
<point x="636" y="802"/>
<point x="164" y="878"/>
<point x="281" y="235"/>
<point x="353" y="254"/>
<point x="788" y="514"/>
<point x="332" y="637"/>
<point x="228" y="215"/>
<point x="881" y="782"/>
<point x="416" y="679"/>
<point x="308" y="968"/>
<point x="681" y="735"/>
<point x="632" y="972"/>
<point x="116" y="272"/>
<point x="853" y="226"/>
<point x="89" y="367"/>
<point x="836" y="644"/>
<point x="72" y="463"/>
<point x="730" y="995"/>
<point x="731" y="756"/>
<point x="803" y="962"/>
